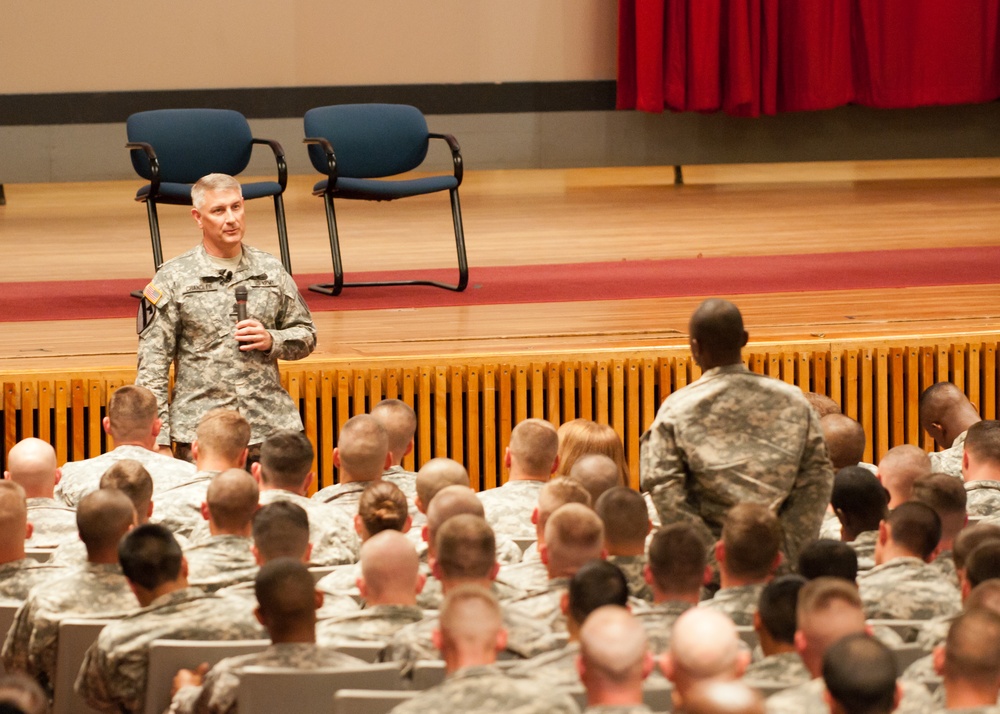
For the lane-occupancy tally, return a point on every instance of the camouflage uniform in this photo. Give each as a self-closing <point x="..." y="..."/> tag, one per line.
<point x="345" y="496"/>
<point x="113" y="674"/>
<point x="808" y="699"/>
<point x="544" y="606"/>
<point x="74" y="553"/>
<point x="192" y="328"/>
<point x="732" y="437"/>
<point x="179" y="508"/>
<point x="618" y="709"/>
<point x="486" y="690"/>
<point x="945" y="564"/>
<point x="81" y="477"/>
<point x="785" y="668"/>
<point x="555" y="669"/>
<point x="832" y="527"/>
<point x="405" y="480"/>
<point x="331" y="532"/>
<point x="659" y="622"/>
<point x="96" y="590"/>
<point x="632" y="567"/>
<point x="923" y="671"/>
<point x="509" y="508"/>
<point x="53" y="523"/>
<point x="740" y="603"/>
<point x="220" y="561"/>
<point x="983" y="498"/>
<point x="18" y="577"/>
<point x="907" y="589"/>
<point x="217" y="694"/>
<point x="864" y="548"/>
<point x="529" y="576"/>
<point x="432" y="595"/>
<point x="934" y="631"/>
<point x="373" y="624"/>
<point x="949" y="461"/>
<point x="342" y="581"/>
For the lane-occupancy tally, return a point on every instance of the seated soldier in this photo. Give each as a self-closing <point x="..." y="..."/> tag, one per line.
<point x="969" y="662"/>
<point x="860" y="502"/>
<point x="389" y="580"/>
<point x="436" y="474"/>
<point x="845" y="440"/>
<point x="285" y="474"/>
<point x="899" y="469"/>
<point x="902" y="585"/>
<point x="981" y="469"/>
<point x="774" y="623"/>
<point x="596" y="585"/>
<point x="748" y="554"/>
<point x="946" y="415"/>
<point x="704" y="647"/>
<point x="531" y="459"/>
<point x="676" y="571"/>
<point x="469" y="635"/>
<point x="224" y="558"/>
<point x="614" y="660"/>
<point x="97" y="589"/>
<point x="361" y="455"/>
<point x="18" y="574"/>
<point x="830" y="558"/>
<point x="596" y="473"/>
<point x="133" y="424"/>
<point x="400" y="423"/>
<point x="113" y="674"/>
<point x="220" y="443"/>
<point x="287" y="603"/>
<point x="31" y="463"/>
<point x="947" y="497"/>
<point x="859" y="674"/>
<point x="626" y="526"/>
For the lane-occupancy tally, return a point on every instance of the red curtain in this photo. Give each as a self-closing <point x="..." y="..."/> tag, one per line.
<point x="751" y="57"/>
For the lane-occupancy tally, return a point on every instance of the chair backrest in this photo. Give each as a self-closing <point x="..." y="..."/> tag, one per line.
<point x="166" y="657"/>
<point x="76" y="635"/>
<point x="748" y="635"/>
<point x="190" y="143"/>
<point x="42" y="555"/>
<point x="265" y="690"/>
<point x="428" y="673"/>
<point x="369" y="140"/>
<point x="907" y="655"/>
<point x="524" y="543"/>
<point x="321" y="571"/>
<point x="7" y="613"/>
<point x="367" y="651"/>
<point x="369" y="701"/>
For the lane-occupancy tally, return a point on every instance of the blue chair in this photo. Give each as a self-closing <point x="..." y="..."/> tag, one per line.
<point x="355" y="145"/>
<point x="173" y="148"/>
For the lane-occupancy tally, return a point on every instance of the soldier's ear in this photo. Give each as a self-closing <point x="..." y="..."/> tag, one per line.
<point x="259" y="616"/>
<point x="106" y="425"/>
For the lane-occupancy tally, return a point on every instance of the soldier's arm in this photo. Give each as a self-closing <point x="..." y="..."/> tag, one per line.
<point x="157" y="349"/>
<point x="802" y="513"/>
<point x="92" y="682"/>
<point x="294" y="334"/>
<point x="663" y="473"/>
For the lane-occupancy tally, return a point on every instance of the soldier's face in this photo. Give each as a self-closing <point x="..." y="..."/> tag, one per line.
<point x="221" y="221"/>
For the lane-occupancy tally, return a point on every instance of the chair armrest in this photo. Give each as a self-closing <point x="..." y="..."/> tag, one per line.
<point x="154" y="163"/>
<point x="456" y="153"/>
<point x="279" y="157"/>
<point x="331" y="158"/>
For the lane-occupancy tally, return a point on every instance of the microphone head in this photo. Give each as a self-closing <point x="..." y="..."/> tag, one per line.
<point x="241" y="293"/>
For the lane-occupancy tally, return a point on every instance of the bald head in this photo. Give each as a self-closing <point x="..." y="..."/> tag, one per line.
<point x="828" y="609"/>
<point x="574" y="535"/>
<point x="534" y="445"/>
<point x="389" y="569"/>
<point x="945" y="412"/>
<point x="32" y="464"/>
<point x="734" y="697"/>
<point x="613" y="647"/>
<point x="13" y="521"/>
<point x="596" y="473"/>
<point x="716" y="333"/>
<point x="232" y="499"/>
<point x="822" y="404"/>
<point x="704" y="645"/>
<point x="899" y="468"/>
<point x="362" y="449"/>
<point x="436" y="474"/>
<point x="103" y="517"/>
<point x="400" y="424"/>
<point x="845" y="440"/>
<point x="470" y="625"/>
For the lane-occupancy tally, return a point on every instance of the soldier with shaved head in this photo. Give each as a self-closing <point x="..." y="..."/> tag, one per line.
<point x="845" y="440"/>
<point x="946" y="415"/>
<point x="400" y="424"/>
<point x="900" y="468"/>
<point x="614" y="660"/>
<point x="626" y="526"/>
<point x="18" y="574"/>
<point x="361" y="455"/>
<point x="704" y="647"/>
<point x="981" y="469"/>
<point x="32" y="464"/>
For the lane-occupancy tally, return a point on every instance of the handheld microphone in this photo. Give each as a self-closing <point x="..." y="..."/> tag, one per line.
<point x="241" y="303"/>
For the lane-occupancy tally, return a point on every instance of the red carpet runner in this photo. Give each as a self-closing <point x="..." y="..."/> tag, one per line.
<point x="92" y="299"/>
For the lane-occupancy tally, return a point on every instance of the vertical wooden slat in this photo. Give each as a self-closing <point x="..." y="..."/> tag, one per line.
<point x="928" y="376"/>
<point x="490" y="462"/>
<point x="836" y="378"/>
<point x="441" y="411"/>
<point x="851" y="367"/>
<point x="27" y="409"/>
<point x="425" y="415"/>
<point x="972" y="384"/>
<point x="865" y="408"/>
<point x="392" y="384"/>
<point x="62" y="390"/>
<point x="410" y="463"/>
<point x="553" y="394"/>
<point x="897" y="401"/>
<point x="343" y="407"/>
<point x="880" y="435"/>
<point x="537" y="377"/>
<point x="617" y="415"/>
<point x="520" y="394"/>
<point x="912" y="357"/>
<point x="757" y="363"/>
<point x="94" y="428"/>
<point x="649" y="405"/>
<point x="988" y="367"/>
<point x="632" y="420"/>
<point x="601" y="415"/>
<point x="45" y="389"/>
<point x="820" y="372"/>
<point x="586" y="410"/>
<point x="667" y="370"/>
<point x="802" y="362"/>
<point x="505" y="417"/>
<point x="10" y="394"/>
<point x="944" y="373"/>
<point x="374" y="388"/>
<point x="788" y="367"/>
<point x="360" y="390"/>
<point x="456" y="429"/>
<point x="309" y="422"/>
<point x="324" y="445"/>
<point x="569" y="412"/>
<point x="473" y="426"/>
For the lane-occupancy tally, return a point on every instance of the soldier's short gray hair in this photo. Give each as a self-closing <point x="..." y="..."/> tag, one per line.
<point x="213" y="182"/>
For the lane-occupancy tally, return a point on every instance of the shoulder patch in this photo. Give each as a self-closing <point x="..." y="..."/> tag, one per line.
<point x="152" y="293"/>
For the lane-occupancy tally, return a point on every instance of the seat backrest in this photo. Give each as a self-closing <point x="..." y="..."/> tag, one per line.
<point x="42" y="555"/>
<point x="906" y="655"/>
<point x="367" y="651"/>
<point x="76" y="635"/>
<point x="265" y="690"/>
<point x="190" y="143"/>
<point x="166" y="657"/>
<point x="7" y="613"/>
<point x="369" y="701"/>
<point x="369" y="140"/>
<point x="428" y="673"/>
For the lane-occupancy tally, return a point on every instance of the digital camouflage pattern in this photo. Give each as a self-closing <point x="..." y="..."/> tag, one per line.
<point x="52" y="521"/>
<point x="907" y="589"/>
<point x="808" y="699"/>
<point x="81" y="477"/>
<point x="486" y="690"/>
<point x="342" y="581"/>
<point x="543" y="606"/>
<point x="785" y="668"/>
<point x="217" y="695"/>
<point x="113" y="674"/>
<point x="556" y="669"/>
<point x="935" y="631"/>
<point x="658" y="620"/>
<point x="982" y="498"/>
<point x="95" y="590"/>
<point x="405" y="480"/>
<point x="732" y="437"/>
<point x="431" y="596"/>
<point x="331" y="531"/>
<point x="378" y="623"/>
<point x="345" y="496"/>
<point x="945" y="564"/>
<point x="509" y="507"/>
<point x="192" y="328"/>
<point x="221" y="561"/>
<point x="832" y="527"/>
<point x="923" y="672"/>
<point x="864" y="548"/>
<point x="632" y="567"/>
<point x="528" y="576"/>
<point x="18" y="577"/>
<point x="739" y="603"/>
<point x="949" y="461"/>
<point x="179" y="508"/>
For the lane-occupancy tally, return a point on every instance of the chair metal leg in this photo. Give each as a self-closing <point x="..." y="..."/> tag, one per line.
<point x="463" y="263"/>
<point x="154" y="234"/>
<point x="279" y="217"/>
<point x="337" y="285"/>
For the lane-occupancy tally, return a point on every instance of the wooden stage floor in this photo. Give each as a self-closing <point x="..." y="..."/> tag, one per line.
<point x="94" y="230"/>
